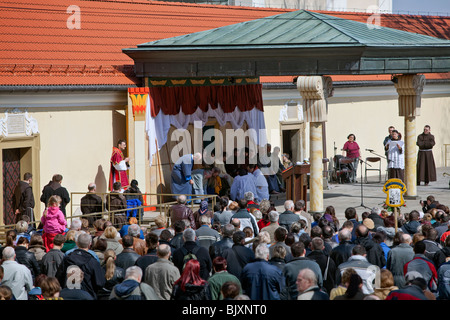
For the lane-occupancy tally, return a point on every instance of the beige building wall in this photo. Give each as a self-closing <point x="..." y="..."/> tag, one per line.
<point x="78" y="145"/>
<point x="77" y="131"/>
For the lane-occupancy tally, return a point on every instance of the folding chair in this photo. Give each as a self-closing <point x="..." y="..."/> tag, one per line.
<point x="373" y="160"/>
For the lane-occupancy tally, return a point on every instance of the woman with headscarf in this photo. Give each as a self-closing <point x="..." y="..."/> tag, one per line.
<point x="202" y="210"/>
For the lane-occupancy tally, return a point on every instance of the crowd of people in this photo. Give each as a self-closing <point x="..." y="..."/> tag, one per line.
<point x="242" y="249"/>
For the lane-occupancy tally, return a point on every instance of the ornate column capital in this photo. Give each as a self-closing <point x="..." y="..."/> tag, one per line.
<point x="315" y="90"/>
<point x="409" y="88"/>
<point x="138" y="98"/>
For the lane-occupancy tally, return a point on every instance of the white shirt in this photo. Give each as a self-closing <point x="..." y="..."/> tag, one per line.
<point x="241" y="185"/>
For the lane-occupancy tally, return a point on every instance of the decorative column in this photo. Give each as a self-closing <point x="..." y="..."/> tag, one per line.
<point x="138" y="143"/>
<point x="315" y="90"/>
<point x="409" y="88"/>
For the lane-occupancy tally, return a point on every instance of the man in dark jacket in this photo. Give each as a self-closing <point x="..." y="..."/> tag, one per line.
<point x="239" y="255"/>
<point x="27" y="258"/>
<point x="151" y="242"/>
<point x="54" y="257"/>
<point x="132" y="288"/>
<point x="246" y="218"/>
<point x="375" y="253"/>
<point x="343" y="251"/>
<point x="177" y="240"/>
<point x="327" y="265"/>
<point x="288" y="217"/>
<point x="217" y="248"/>
<point x="116" y="201"/>
<point x="413" y="223"/>
<point x="293" y="267"/>
<point x="128" y="256"/>
<point x="94" y="275"/>
<point x="350" y="215"/>
<point x="442" y="255"/>
<point x="54" y="188"/>
<point x="91" y="203"/>
<point x="432" y="246"/>
<point x="190" y="246"/>
<point x="23" y="200"/>
<point x="261" y="280"/>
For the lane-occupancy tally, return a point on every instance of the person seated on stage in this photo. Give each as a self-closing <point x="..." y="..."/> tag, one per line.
<point x="226" y="178"/>
<point x="270" y="163"/>
<point x="242" y="183"/>
<point x="231" y="164"/>
<point x="286" y="160"/>
<point x="214" y="183"/>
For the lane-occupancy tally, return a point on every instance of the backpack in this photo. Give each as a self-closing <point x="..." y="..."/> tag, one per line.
<point x="188" y="255"/>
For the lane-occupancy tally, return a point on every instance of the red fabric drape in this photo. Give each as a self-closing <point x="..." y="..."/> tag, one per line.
<point x="172" y="100"/>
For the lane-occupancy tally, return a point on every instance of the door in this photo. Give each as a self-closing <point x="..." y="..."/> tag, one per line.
<point x="11" y="177"/>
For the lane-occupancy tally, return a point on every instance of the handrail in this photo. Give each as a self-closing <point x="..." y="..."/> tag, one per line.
<point x="163" y="206"/>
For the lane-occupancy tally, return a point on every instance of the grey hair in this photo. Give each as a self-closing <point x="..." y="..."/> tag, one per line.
<point x="84" y="240"/>
<point x="288" y="204"/>
<point x="249" y="196"/>
<point x="76" y="224"/>
<point x="376" y="210"/>
<point x="8" y="253"/>
<point x="181" y="198"/>
<point x="262" y="251"/>
<point x="134" y="272"/>
<point x="228" y="230"/>
<point x="163" y="250"/>
<point x="344" y="234"/>
<point x="273" y="216"/>
<point x="308" y="274"/>
<point x="189" y="234"/>
<point x="134" y="230"/>
<point x="264" y="206"/>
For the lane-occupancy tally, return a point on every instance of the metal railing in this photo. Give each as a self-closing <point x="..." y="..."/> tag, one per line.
<point x="161" y="206"/>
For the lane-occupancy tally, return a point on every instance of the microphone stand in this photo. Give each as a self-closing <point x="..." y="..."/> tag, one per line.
<point x="371" y="151"/>
<point x="388" y="160"/>
<point x="362" y="203"/>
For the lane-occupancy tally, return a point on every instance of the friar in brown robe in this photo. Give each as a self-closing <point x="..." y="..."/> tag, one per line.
<point x="426" y="168"/>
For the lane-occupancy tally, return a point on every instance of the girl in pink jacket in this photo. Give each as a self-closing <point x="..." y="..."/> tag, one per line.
<point x="53" y="222"/>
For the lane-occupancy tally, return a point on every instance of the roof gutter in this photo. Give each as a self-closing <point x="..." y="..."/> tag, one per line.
<point x="58" y="88"/>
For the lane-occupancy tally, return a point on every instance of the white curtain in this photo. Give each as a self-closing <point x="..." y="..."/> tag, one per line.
<point x="157" y="128"/>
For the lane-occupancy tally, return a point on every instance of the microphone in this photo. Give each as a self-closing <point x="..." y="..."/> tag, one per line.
<point x="370" y="150"/>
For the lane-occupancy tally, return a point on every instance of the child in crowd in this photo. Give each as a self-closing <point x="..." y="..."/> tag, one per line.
<point x="53" y="221"/>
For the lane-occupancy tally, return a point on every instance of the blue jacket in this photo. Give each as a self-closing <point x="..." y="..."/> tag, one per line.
<point x="261" y="280"/>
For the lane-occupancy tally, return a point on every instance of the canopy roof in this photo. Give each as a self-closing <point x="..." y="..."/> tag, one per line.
<point x="293" y="43"/>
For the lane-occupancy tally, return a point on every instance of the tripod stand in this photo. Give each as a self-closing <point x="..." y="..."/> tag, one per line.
<point x="361" y="182"/>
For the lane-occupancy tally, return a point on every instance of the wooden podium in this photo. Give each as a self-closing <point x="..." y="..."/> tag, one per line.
<point x="295" y="179"/>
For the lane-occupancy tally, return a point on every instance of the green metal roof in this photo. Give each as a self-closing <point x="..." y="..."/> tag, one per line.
<point x="299" y="28"/>
<point x="293" y="43"/>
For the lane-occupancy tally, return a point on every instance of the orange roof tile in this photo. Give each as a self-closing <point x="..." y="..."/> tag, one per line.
<point x="38" y="48"/>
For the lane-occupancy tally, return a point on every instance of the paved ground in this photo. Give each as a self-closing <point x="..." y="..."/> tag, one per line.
<point x="342" y="196"/>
